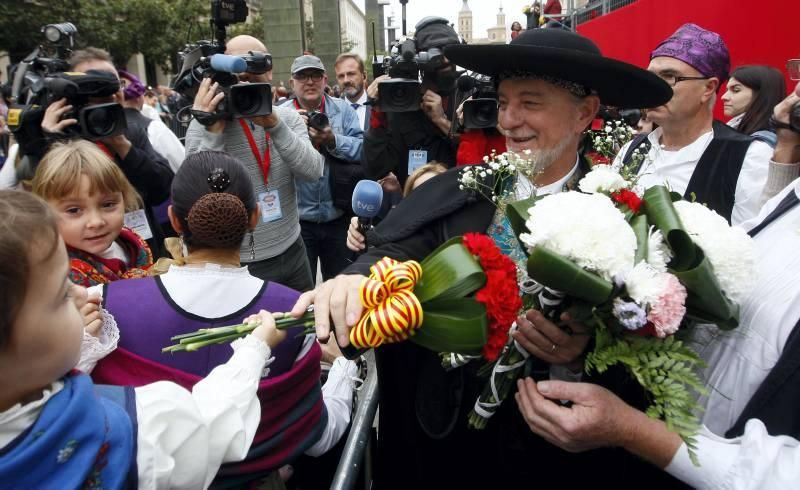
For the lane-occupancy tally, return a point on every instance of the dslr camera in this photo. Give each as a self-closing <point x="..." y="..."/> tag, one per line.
<point x="480" y="111"/>
<point x="206" y="59"/>
<point x="318" y="120"/>
<point x="43" y="78"/>
<point x="407" y="67"/>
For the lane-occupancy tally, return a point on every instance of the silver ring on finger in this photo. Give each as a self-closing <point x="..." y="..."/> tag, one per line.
<point x="553" y="349"/>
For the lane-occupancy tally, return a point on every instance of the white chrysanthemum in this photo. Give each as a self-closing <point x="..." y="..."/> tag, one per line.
<point x="729" y="249"/>
<point x="658" y="252"/>
<point x="644" y="284"/>
<point x="603" y="179"/>
<point x="585" y="228"/>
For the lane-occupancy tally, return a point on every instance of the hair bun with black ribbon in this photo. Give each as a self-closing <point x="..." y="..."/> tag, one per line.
<point x="218" y="180"/>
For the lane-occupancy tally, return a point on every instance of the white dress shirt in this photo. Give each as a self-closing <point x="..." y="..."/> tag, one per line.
<point x="164" y="141"/>
<point x="361" y="110"/>
<point x="675" y="169"/>
<point x="739" y="361"/>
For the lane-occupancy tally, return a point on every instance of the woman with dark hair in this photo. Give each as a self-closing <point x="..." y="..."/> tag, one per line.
<point x="213" y="209"/>
<point x="753" y="92"/>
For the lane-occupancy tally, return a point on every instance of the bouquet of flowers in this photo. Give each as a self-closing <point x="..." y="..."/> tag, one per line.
<point x="455" y="301"/>
<point x="608" y="141"/>
<point x="640" y="271"/>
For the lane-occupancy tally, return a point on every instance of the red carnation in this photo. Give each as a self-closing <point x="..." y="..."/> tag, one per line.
<point x="628" y="198"/>
<point x="500" y="294"/>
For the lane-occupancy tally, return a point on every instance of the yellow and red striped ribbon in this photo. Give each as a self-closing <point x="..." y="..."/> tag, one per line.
<point x="393" y="312"/>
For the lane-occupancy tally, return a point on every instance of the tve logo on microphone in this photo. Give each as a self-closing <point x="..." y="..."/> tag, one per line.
<point x="367" y="198"/>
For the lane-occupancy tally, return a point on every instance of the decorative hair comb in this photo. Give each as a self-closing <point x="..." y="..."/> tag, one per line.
<point x="218" y="180"/>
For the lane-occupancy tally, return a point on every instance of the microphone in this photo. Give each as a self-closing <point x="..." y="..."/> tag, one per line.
<point x="366" y="203"/>
<point x="228" y="63"/>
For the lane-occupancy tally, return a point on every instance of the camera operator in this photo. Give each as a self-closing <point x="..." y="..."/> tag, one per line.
<point x="785" y="164"/>
<point x="275" y="149"/>
<point x="146" y="169"/>
<point x="336" y="132"/>
<point x="400" y="142"/>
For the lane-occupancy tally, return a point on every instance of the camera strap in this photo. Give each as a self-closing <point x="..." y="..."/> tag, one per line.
<point x="263" y="163"/>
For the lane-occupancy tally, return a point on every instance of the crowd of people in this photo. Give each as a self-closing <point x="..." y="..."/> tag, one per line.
<point x="111" y="248"/>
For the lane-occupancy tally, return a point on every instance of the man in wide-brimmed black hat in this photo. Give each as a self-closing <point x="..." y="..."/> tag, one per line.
<point x="550" y="86"/>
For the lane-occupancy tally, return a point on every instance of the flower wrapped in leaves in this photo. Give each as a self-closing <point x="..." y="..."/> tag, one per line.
<point x="455" y="301"/>
<point x="638" y="271"/>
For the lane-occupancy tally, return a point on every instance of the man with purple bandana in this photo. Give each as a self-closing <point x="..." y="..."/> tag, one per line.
<point x="691" y="152"/>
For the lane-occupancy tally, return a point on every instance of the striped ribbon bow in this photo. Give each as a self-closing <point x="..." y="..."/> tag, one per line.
<point x="393" y="311"/>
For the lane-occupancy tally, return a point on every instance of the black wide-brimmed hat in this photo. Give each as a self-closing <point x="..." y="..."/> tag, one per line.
<point x="567" y="56"/>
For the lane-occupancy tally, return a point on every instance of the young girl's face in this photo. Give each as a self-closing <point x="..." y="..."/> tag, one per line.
<point x="90" y="222"/>
<point x="45" y="341"/>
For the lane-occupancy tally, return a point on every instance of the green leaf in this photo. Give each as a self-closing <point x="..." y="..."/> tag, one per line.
<point x="517" y="214"/>
<point x="641" y="230"/>
<point x="657" y="204"/>
<point x="449" y="272"/>
<point x="453" y="325"/>
<point x="556" y="272"/>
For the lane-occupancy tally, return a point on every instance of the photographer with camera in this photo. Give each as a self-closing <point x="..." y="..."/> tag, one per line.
<point x="400" y="142"/>
<point x="145" y="168"/>
<point x="336" y="133"/>
<point x="276" y="150"/>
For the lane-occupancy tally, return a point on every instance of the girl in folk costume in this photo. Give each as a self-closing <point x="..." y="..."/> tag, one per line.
<point x="58" y="429"/>
<point x="213" y="209"/>
<point x="90" y="195"/>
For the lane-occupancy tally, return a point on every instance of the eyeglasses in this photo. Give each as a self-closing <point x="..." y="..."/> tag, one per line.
<point x="673" y="80"/>
<point x="314" y="75"/>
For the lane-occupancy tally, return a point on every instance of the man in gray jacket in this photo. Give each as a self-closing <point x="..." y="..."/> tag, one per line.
<point x="275" y="149"/>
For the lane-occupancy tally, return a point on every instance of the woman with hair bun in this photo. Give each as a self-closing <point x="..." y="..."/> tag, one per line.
<point x="214" y="209"/>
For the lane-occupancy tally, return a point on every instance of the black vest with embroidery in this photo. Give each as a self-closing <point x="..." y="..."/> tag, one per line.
<point x="713" y="181"/>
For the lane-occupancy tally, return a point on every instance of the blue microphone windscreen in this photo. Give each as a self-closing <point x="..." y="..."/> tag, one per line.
<point x="228" y="63"/>
<point x="367" y="198"/>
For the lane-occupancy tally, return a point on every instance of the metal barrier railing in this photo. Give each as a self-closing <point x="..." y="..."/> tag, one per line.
<point x="356" y="453"/>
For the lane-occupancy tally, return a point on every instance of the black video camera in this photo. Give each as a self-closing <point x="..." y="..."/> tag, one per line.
<point x="206" y="59"/>
<point x="318" y="120"/>
<point x="406" y="66"/>
<point x="481" y="110"/>
<point x="40" y="80"/>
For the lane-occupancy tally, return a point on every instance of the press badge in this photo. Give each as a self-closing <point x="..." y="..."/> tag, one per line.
<point x="416" y="159"/>
<point x="137" y="221"/>
<point x="270" y="203"/>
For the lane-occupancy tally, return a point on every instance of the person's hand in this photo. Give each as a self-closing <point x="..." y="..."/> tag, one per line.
<point x="336" y="299"/>
<point x="303" y="115"/>
<point x="330" y="352"/>
<point x="390" y="183"/>
<point x="597" y="418"/>
<point x="460" y="113"/>
<point x="119" y="144"/>
<point x="355" y="240"/>
<point x="323" y="138"/>
<point x="546" y="341"/>
<point x="207" y="100"/>
<point x="52" y="122"/>
<point x="267" y="122"/>
<point x="431" y="105"/>
<point x="372" y="90"/>
<point x="787" y="150"/>
<point x="92" y="316"/>
<point x="266" y="331"/>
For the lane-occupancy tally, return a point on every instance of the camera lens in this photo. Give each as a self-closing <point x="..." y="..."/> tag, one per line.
<point x="100" y="122"/>
<point x="794" y="117"/>
<point x="246" y="100"/>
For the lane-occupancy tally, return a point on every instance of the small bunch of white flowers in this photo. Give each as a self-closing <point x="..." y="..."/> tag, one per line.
<point x="613" y="136"/>
<point x="487" y="179"/>
<point x="602" y="179"/>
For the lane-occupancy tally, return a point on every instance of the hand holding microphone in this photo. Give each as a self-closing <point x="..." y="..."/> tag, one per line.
<point x="366" y="203"/>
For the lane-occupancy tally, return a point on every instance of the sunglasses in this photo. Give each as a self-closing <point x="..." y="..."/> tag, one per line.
<point x="793" y="67"/>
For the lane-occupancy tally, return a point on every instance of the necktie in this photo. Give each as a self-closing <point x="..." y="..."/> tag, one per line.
<point x="785" y="205"/>
<point x="355" y="106"/>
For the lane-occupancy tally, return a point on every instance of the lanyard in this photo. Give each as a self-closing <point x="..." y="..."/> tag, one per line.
<point x="320" y="109"/>
<point x="263" y="163"/>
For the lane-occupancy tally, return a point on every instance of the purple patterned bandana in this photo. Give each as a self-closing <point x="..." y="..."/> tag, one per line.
<point x="134" y="88"/>
<point x="704" y="50"/>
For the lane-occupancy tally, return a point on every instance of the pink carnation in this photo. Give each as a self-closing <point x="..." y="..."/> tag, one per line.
<point x="668" y="310"/>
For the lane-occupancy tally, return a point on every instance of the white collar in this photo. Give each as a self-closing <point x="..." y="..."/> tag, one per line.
<point x="525" y="187"/>
<point x="361" y="100"/>
<point x="691" y="152"/>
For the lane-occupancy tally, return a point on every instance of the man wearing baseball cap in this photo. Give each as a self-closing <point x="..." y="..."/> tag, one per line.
<point x="335" y="132"/>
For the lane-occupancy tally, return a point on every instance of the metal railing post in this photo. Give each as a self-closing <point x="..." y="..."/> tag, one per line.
<point x="354" y="454"/>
